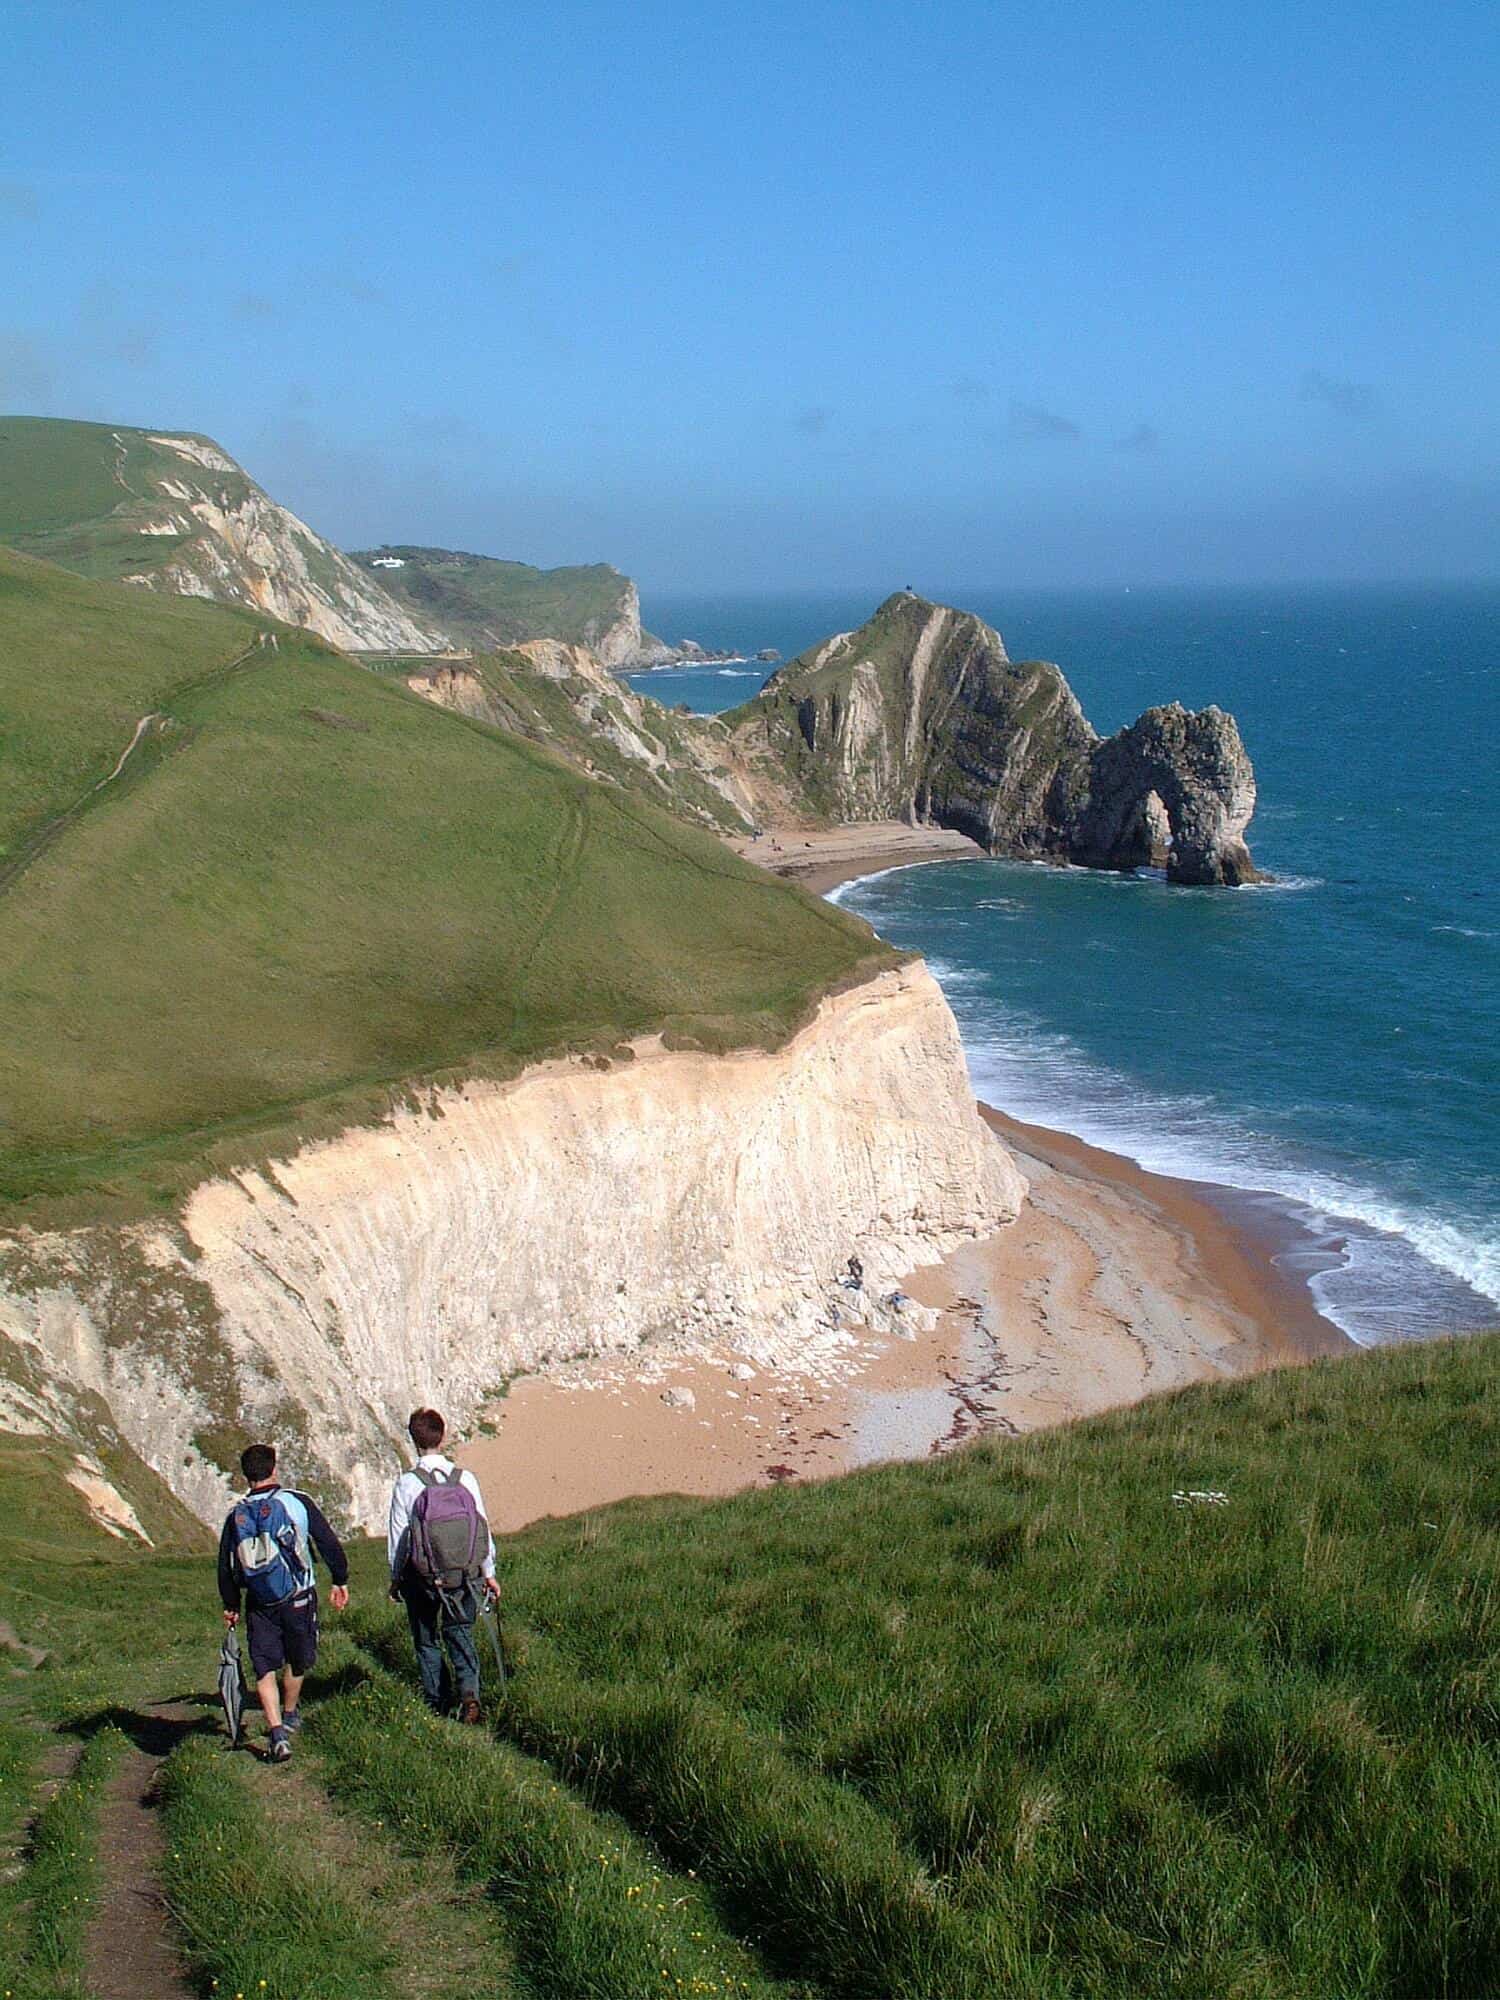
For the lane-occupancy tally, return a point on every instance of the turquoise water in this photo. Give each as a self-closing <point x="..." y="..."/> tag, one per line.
<point x="1332" y="1039"/>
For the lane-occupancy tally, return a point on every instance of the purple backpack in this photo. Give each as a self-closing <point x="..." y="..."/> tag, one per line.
<point x="448" y="1532"/>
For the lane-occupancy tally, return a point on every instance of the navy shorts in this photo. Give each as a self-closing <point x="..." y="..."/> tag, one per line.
<point x="284" y="1635"/>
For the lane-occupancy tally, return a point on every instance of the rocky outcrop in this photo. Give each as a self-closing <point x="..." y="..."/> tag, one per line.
<point x="618" y="642"/>
<point x="921" y="715"/>
<point x="239" y="546"/>
<point x="673" y="1197"/>
<point x="1175" y="789"/>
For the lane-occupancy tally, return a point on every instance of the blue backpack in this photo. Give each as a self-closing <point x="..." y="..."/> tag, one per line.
<point x="269" y="1550"/>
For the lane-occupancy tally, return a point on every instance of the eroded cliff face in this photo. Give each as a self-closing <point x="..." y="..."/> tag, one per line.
<point x="675" y="1197"/>
<point x="922" y="715"/>
<point x="235" y="544"/>
<point x="561" y="695"/>
<point x="618" y="642"/>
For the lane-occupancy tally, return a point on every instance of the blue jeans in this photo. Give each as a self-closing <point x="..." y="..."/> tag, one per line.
<point x="435" y="1629"/>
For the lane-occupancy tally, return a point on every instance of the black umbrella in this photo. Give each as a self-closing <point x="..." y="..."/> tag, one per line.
<point x="232" y="1684"/>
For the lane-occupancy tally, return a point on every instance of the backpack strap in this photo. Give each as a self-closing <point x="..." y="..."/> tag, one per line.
<point x="426" y="1474"/>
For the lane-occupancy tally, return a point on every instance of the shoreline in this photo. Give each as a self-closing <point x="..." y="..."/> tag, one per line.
<point x="824" y="858"/>
<point x="1236" y="1233"/>
<point x="1113" y="1284"/>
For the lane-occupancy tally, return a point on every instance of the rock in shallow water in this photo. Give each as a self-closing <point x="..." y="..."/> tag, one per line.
<point x="1174" y="788"/>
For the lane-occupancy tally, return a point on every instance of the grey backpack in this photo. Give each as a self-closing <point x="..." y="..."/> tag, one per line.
<point x="448" y="1532"/>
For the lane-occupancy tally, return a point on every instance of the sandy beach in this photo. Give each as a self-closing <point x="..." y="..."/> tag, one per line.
<point x="1113" y="1284"/>
<point x="820" y="858"/>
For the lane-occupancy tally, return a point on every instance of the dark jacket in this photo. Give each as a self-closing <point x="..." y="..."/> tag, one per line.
<point x="321" y="1538"/>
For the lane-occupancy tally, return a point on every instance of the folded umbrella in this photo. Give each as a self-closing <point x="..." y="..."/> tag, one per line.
<point x="232" y="1684"/>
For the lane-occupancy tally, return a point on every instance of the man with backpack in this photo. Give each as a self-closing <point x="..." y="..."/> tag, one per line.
<point x="266" y="1558"/>
<point x="442" y="1558"/>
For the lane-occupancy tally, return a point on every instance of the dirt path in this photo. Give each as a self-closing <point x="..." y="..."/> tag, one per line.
<point x="32" y="848"/>
<point x="130" y="1953"/>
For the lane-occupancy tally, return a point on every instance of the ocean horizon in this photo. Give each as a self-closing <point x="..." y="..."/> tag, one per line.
<point x="1329" y="1039"/>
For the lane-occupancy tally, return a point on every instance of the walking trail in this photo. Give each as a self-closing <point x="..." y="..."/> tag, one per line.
<point x="130" y="1952"/>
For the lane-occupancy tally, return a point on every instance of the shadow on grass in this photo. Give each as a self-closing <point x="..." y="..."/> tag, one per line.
<point x="158" y="1728"/>
<point x="324" y="1684"/>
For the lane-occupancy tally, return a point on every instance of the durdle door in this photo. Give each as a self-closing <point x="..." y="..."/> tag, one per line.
<point x="922" y="715"/>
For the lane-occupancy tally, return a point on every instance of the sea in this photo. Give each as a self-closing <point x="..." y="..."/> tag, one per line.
<point x="1329" y="1042"/>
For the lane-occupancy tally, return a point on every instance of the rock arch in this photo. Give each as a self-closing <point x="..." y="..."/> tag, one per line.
<point x="1173" y="785"/>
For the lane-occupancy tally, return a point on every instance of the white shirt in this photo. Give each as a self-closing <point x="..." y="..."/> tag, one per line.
<point x="403" y="1499"/>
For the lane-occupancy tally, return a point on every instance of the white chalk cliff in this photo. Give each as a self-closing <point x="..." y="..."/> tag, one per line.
<point x="234" y="543"/>
<point x="677" y="1197"/>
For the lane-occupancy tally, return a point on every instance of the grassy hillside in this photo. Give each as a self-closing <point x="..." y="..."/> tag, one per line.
<point x="1010" y="1723"/>
<point x="172" y="511"/>
<point x="75" y="493"/>
<point x="485" y="603"/>
<point x="601" y="726"/>
<point x="307" y="885"/>
<point x="78" y="668"/>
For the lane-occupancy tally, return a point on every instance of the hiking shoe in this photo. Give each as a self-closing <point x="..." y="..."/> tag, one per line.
<point x="292" y="1720"/>
<point x="469" y="1711"/>
<point x="281" y="1745"/>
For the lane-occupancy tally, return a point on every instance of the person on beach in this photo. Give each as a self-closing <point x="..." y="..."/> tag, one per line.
<point x="442" y="1558"/>
<point x="266" y="1561"/>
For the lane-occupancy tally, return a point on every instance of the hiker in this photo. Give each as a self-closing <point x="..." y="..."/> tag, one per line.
<point x="266" y="1556"/>
<point x="442" y="1558"/>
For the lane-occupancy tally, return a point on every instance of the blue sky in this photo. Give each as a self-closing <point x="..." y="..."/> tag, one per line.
<point x="787" y="295"/>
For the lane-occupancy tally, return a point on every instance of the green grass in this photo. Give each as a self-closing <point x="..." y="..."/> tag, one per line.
<point x="261" y="1909"/>
<point x="483" y="602"/>
<point x="595" y="1916"/>
<point x="1139" y="1749"/>
<point x="812" y="1871"/>
<point x="78" y="493"/>
<point x="61" y="1881"/>
<point x="20" y="1752"/>
<point x="283" y="919"/>
<point x="1006" y="1722"/>
<point x="48" y="1525"/>
<point x="78" y="669"/>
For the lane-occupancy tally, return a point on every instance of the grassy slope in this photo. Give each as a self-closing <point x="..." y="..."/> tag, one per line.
<point x="320" y="885"/>
<point x="571" y="718"/>
<point x="78" y="669"/>
<point x="48" y="1524"/>
<point x="69" y="492"/>
<point x="483" y="602"/>
<point x="1145" y="1750"/>
<point x="1006" y="1723"/>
